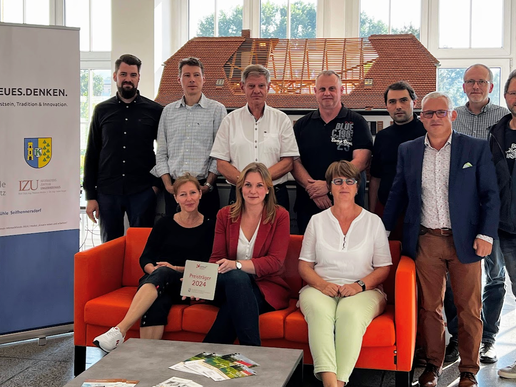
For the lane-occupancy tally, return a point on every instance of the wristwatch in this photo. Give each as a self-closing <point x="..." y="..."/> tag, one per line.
<point x="210" y="187"/>
<point x="362" y="284"/>
<point x="239" y="265"/>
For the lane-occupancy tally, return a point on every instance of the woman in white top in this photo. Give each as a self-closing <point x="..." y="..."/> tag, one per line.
<point x="250" y="246"/>
<point x="344" y="260"/>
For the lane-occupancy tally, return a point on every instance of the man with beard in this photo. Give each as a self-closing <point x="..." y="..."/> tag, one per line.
<point x="400" y="100"/>
<point x="474" y="119"/>
<point x="120" y="155"/>
<point x="502" y="140"/>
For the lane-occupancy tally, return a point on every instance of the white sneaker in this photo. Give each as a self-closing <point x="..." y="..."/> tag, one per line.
<point x="508" y="372"/>
<point x="109" y="340"/>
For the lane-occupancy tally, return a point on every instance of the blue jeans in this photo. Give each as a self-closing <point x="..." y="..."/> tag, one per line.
<point x="241" y="304"/>
<point x="508" y="246"/>
<point x="492" y="297"/>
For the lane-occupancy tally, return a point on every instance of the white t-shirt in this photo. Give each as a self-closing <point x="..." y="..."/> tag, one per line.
<point x="343" y="259"/>
<point x="241" y="139"/>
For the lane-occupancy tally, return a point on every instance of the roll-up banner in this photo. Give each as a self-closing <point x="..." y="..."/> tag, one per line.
<point x="39" y="175"/>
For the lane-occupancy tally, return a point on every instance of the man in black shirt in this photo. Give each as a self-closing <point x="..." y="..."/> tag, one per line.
<point x="502" y="141"/>
<point x="120" y="155"/>
<point x="328" y="134"/>
<point x="400" y="100"/>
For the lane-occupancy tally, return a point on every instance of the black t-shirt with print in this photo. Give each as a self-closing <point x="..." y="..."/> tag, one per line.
<point x="510" y="147"/>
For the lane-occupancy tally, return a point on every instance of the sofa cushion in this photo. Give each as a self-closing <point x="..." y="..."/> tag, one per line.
<point x="108" y="310"/>
<point x="380" y="333"/>
<point x="199" y="319"/>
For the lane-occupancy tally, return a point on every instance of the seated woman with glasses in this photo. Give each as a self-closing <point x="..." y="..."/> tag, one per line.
<point x="344" y="260"/>
<point x="251" y="241"/>
<point x="186" y="235"/>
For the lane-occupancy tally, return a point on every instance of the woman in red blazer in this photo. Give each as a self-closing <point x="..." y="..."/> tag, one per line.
<point x="251" y="241"/>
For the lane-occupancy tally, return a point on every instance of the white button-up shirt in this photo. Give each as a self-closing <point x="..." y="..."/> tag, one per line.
<point x="242" y="139"/>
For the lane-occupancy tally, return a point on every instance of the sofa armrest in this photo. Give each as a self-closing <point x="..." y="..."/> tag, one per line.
<point x="405" y="306"/>
<point x="97" y="271"/>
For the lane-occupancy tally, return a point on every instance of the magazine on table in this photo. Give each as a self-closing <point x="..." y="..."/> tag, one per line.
<point x="218" y="367"/>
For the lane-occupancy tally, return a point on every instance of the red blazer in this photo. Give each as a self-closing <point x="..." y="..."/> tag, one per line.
<point x="269" y="252"/>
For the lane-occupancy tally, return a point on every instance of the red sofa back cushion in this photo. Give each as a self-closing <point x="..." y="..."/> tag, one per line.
<point x="135" y="241"/>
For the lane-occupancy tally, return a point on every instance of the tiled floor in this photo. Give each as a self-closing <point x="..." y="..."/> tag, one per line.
<point x="27" y="364"/>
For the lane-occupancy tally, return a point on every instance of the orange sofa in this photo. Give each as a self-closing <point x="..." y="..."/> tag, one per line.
<point x="106" y="278"/>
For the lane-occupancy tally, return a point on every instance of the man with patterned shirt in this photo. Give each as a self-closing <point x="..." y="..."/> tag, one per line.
<point x="186" y="132"/>
<point x="120" y="155"/>
<point x="474" y="119"/>
<point x="446" y="183"/>
<point x="478" y="114"/>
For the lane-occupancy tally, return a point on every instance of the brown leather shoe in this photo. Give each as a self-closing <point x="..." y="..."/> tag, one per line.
<point x="467" y="379"/>
<point x="430" y="376"/>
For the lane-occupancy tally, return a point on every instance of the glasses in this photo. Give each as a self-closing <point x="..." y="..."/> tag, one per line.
<point x="340" y="181"/>
<point x="511" y="93"/>
<point x="481" y="82"/>
<point x="438" y="113"/>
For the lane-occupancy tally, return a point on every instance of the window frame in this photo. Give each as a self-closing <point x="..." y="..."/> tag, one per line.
<point x="216" y="18"/>
<point x="423" y="6"/>
<point x="476" y="53"/>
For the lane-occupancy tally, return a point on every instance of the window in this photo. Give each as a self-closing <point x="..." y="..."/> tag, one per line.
<point x="450" y="80"/>
<point x="95" y="88"/>
<point x="471" y="24"/>
<point x="93" y="17"/>
<point x="288" y="19"/>
<point x="390" y="17"/>
<point x="25" y="11"/>
<point x="215" y="18"/>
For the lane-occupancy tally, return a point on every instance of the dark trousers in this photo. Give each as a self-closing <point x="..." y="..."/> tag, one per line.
<point x="168" y="284"/>
<point x="209" y="204"/>
<point x="241" y="304"/>
<point x="280" y="190"/>
<point x="140" y="208"/>
<point x="436" y="255"/>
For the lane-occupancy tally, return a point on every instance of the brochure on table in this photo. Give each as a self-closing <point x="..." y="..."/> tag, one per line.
<point x="199" y="280"/>
<point x="218" y="367"/>
<point x="178" y="382"/>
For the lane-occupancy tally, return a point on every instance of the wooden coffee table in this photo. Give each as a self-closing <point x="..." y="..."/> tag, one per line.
<point x="148" y="362"/>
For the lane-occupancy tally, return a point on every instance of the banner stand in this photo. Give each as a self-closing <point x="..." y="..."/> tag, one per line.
<point x="39" y="178"/>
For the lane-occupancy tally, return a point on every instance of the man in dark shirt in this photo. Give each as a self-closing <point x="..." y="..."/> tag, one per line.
<point x="400" y="100"/>
<point x="502" y="141"/>
<point x="120" y="155"/>
<point x="323" y="136"/>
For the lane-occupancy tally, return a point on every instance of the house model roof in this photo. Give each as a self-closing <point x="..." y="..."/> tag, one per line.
<point x="366" y="66"/>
